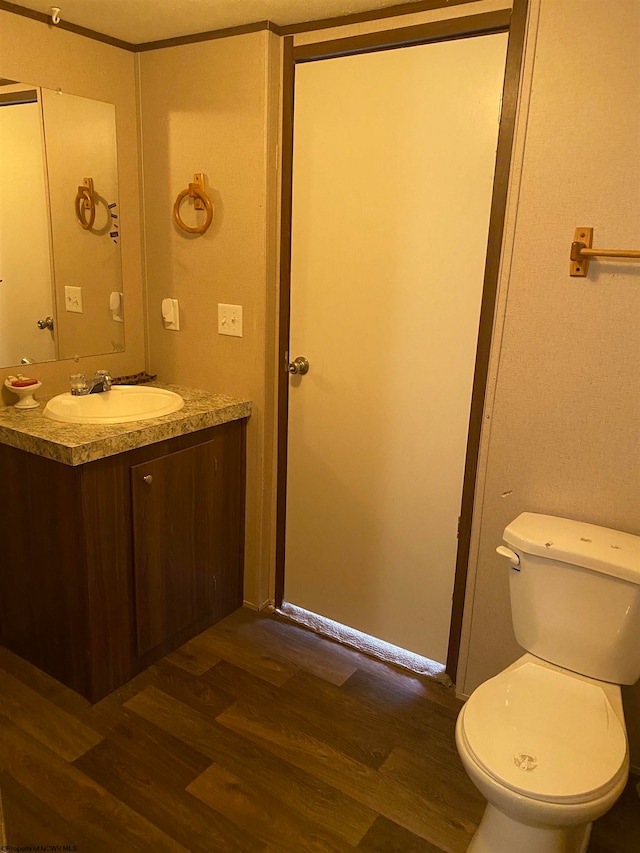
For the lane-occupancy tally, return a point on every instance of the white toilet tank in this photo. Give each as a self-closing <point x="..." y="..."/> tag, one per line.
<point x="575" y="595"/>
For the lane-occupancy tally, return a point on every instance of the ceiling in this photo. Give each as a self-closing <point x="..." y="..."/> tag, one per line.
<point x="138" y="21"/>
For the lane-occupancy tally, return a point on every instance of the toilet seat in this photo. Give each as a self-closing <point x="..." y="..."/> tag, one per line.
<point x="548" y="735"/>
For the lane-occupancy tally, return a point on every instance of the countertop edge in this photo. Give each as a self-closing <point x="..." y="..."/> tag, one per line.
<point x="201" y="410"/>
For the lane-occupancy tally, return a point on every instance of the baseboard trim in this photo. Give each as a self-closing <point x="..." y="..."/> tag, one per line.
<point x="258" y="608"/>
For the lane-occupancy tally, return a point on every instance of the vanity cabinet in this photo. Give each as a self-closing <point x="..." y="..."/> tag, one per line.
<point x="109" y="565"/>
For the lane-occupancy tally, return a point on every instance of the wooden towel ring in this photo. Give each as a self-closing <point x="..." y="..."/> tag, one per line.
<point x="202" y="202"/>
<point x="85" y="200"/>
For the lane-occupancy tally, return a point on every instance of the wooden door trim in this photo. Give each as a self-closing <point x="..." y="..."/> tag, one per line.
<point x="436" y="31"/>
<point x="515" y="23"/>
<point x="513" y="67"/>
<point x="285" y="291"/>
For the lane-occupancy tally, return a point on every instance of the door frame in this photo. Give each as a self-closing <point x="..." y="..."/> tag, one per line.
<point x="511" y="21"/>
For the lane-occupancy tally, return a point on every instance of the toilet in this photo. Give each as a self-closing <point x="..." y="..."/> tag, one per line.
<point x="544" y="741"/>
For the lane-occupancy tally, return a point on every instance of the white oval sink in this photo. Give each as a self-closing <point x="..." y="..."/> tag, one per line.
<point x="123" y="403"/>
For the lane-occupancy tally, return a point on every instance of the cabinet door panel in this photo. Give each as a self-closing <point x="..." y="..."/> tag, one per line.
<point x="175" y="540"/>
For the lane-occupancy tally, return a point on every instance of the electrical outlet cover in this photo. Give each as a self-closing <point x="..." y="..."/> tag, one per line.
<point x="73" y="299"/>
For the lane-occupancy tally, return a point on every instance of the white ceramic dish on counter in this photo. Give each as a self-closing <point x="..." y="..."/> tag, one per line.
<point x="25" y="393"/>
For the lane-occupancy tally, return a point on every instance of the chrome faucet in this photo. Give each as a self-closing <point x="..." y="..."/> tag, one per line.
<point x="100" y="382"/>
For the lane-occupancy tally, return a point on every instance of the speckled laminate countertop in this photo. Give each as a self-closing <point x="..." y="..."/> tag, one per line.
<point x="75" y="444"/>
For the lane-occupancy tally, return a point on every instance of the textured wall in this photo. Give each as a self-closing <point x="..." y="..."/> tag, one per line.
<point x="45" y="56"/>
<point x="562" y="421"/>
<point x="211" y="107"/>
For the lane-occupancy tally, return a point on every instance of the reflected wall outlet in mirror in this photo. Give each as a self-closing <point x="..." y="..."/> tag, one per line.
<point x="73" y="299"/>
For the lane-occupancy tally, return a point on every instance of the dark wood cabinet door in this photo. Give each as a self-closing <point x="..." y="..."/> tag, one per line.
<point x="176" y="541"/>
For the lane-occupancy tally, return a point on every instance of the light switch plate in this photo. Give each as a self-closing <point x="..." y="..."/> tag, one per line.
<point x="230" y="320"/>
<point x="73" y="299"/>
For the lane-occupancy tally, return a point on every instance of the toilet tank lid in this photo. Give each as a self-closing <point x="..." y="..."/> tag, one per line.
<point x="610" y="552"/>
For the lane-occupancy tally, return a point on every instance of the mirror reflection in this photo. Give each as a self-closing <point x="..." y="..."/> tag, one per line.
<point x="60" y="267"/>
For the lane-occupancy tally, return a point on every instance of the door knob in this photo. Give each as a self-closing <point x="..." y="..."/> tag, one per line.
<point x="47" y="323"/>
<point x="147" y="479"/>
<point x="299" y="366"/>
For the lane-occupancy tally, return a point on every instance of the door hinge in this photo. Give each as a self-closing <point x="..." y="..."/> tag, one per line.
<point x="459" y="523"/>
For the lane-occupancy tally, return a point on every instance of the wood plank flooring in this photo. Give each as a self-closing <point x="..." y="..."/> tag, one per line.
<point x="257" y="735"/>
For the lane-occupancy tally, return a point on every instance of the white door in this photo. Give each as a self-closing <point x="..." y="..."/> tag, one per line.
<point x="393" y="166"/>
<point x="26" y="292"/>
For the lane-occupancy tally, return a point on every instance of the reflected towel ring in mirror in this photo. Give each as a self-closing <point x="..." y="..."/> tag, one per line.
<point x="202" y="202"/>
<point x="85" y="200"/>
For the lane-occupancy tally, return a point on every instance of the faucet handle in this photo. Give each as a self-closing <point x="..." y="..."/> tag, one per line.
<point x="78" y="383"/>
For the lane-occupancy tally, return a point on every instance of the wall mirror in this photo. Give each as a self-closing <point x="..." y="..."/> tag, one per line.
<point x="61" y="293"/>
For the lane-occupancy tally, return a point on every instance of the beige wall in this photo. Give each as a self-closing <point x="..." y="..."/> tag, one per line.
<point x="212" y="107"/>
<point x="45" y="56"/>
<point x="563" y="412"/>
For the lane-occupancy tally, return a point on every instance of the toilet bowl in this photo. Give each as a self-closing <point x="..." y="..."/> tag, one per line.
<point x="548" y="750"/>
<point x="544" y="741"/>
